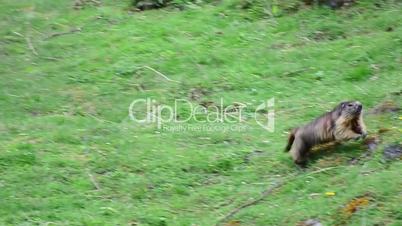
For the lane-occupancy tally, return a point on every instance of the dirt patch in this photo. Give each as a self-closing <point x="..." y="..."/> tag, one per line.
<point x="196" y="94"/>
<point x="80" y="4"/>
<point x="371" y="144"/>
<point x="250" y="156"/>
<point x="324" y="35"/>
<point x="388" y="106"/>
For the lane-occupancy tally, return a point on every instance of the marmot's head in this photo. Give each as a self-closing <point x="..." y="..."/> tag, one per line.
<point x="350" y="109"/>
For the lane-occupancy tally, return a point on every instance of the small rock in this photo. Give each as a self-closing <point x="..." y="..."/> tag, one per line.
<point x="147" y="5"/>
<point x="310" y="222"/>
<point x="372" y="142"/>
<point x="393" y="151"/>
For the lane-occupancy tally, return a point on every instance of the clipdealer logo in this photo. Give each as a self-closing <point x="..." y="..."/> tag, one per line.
<point x="146" y="111"/>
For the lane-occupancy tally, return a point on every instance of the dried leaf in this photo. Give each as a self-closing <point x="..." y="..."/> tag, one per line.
<point x="233" y="223"/>
<point x="355" y="205"/>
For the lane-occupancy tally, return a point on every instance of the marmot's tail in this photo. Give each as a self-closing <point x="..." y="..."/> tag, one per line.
<point x="291" y="139"/>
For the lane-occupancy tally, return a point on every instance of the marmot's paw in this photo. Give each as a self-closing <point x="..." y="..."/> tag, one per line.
<point x="361" y="136"/>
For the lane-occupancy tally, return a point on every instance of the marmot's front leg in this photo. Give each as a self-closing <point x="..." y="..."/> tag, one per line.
<point x="360" y="134"/>
<point x="359" y="127"/>
<point x="348" y="134"/>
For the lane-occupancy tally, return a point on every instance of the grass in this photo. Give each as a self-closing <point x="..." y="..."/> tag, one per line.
<point x="64" y="113"/>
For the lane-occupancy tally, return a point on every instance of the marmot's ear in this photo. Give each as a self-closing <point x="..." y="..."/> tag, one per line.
<point x="343" y="104"/>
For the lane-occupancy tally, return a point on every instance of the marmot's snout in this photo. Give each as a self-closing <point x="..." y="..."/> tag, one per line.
<point x="359" y="108"/>
<point x="354" y="107"/>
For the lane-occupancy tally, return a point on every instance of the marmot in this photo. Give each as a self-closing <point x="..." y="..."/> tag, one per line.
<point x="344" y="122"/>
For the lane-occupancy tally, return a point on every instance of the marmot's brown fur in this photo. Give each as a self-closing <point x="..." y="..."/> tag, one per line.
<point x="344" y="122"/>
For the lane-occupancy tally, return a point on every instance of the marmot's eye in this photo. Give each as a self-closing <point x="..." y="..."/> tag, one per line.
<point x="350" y="105"/>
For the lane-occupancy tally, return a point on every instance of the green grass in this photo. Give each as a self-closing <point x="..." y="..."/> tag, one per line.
<point x="64" y="113"/>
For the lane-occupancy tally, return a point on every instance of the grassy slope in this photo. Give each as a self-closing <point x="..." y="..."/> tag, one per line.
<point x="64" y="113"/>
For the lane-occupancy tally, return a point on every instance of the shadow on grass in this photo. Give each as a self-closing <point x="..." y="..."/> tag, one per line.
<point x="335" y="154"/>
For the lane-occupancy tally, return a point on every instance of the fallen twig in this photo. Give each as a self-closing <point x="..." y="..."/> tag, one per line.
<point x="50" y="58"/>
<point x="322" y="170"/>
<point x="291" y="73"/>
<point x="77" y="29"/>
<point x="139" y="88"/>
<point x="95" y="2"/>
<point x="159" y="73"/>
<point x="18" y="34"/>
<point x="94" y="182"/>
<point x="226" y="203"/>
<point x="30" y="46"/>
<point x="269" y="191"/>
<point x="264" y="194"/>
<point x="12" y="95"/>
<point x="99" y="119"/>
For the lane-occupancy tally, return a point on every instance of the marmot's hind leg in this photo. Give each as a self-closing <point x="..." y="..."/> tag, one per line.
<point x="299" y="151"/>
